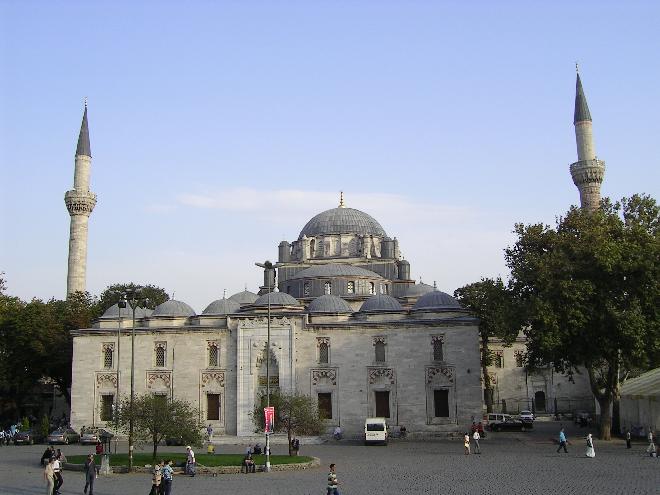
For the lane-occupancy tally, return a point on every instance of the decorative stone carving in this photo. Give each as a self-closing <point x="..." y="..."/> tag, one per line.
<point x="162" y="345"/>
<point x="381" y="340"/>
<point x="322" y="340"/>
<point x="319" y="374"/>
<point x="437" y="338"/>
<point x="104" y="380"/>
<point x="212" y="343"/>
<point x="376" y="373"/>
<point x="446" y="371"/>
<point x="165" y="376"/>
<point x="80" y="202"/>
<point x="108" y="346"/>
<point x="209" y="376"/>
<point x="263" y="322"/>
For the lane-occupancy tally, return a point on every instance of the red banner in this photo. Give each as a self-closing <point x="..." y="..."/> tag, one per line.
<point x="269" y="416"/>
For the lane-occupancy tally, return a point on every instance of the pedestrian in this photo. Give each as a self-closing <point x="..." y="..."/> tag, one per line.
<point x="48" y="453"/>
<point x="49" y="476"/>
<point x="248" y="450"/>
<point x="59" y="480"/>
<point x="99" y="448"/>
<point x="466" y="443"/>
<point x="562" y="441"/>
<point x="333" y="484"/>
<point x="60" y="457"/>
<point x="167" y="473"/>
<point x="590" y="446"/>
<point x="209" y="432"/>
<point x="628" y="439"/>
<point x="190" y="461"/>
<point x="295" y="446"/>
<point x="651" y="449"/>
<point x="91" y="472"/>
<point x="476" y="437"/>
<point x="156" y="479"/>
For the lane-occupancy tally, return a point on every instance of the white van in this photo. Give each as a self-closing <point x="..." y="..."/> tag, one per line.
<point x="375" y="431"/>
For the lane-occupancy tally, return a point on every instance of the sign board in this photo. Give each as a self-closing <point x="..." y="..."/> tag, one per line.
<point x="269" y="417"/>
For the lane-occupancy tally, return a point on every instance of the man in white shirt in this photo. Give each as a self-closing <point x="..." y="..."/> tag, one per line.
<point x="190" y="463"/>
<point x="59" y="481"/>
<point x="476" y="437"/>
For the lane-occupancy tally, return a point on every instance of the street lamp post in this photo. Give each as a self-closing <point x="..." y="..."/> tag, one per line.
<point x="268" y="382"/>
<point x="121" y="303"/>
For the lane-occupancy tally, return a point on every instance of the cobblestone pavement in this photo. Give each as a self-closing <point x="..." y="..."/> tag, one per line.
<point x="511" y="463"/>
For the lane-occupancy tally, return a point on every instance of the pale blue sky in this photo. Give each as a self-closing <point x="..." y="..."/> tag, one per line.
<point x="219" y="128"/>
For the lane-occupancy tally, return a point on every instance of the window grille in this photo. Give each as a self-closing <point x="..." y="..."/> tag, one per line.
<point x="160" y="356"/>
<point x="213" y="355"/>
<point x="107" y="357"/>
<point x="372" y="288"/>
<point x="323" y="353"/>
<point x="350" y="288"/>
<point x="437" y="349"/>
<point x="307" y="289"/>
<point x="499" y="359"/>
<point x="520" y="359"/>
<point x="380" y="352"/>
<point x="327" y="288"/>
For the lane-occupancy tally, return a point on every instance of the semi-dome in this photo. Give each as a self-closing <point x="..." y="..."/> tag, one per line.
<point x="328" y="303"/>
<point x="243" y="298"/>
<point x="437" y="300"/>
<point x="334" y="270"/>
<point x="277" y="299"/>
<point x="381" y="302"/>
<point x="173" y="308"/>
<point x="127" y="312"/>
<point x="342" y="220"/>
<point x="222" y="307"/>
<point x="418" y="290"/>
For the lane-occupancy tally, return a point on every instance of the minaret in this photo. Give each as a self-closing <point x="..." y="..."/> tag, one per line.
<point x="80" y="202"/>
<point x="588" y="172"/>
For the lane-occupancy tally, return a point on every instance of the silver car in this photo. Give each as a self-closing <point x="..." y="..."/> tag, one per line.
<point x="64" y="435"/>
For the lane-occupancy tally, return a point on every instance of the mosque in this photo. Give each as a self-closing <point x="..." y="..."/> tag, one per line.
<point x="347" y="325"/>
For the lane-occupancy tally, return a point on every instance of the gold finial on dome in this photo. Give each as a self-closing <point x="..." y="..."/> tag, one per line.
<point x="341" y="200"/>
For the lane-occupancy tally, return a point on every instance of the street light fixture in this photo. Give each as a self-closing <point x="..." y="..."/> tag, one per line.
<point x="121" y="303"/>
<point x="268" y="382"/>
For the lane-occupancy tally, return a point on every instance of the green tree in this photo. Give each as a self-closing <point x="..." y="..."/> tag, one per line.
<point x="157" y="417"/>
<point x="591" y="289"/>
<point x="112" y="293"/>
<point x="499" y="317"/>
<point x="294" y="413"/>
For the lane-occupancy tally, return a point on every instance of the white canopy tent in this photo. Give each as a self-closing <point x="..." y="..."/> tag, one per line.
<point x="640" y="402"/>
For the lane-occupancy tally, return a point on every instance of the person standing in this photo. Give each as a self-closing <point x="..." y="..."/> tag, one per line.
<point x="628" y="439"/>
<point x="190" y="461"/>
<point x="651" y="449"/>
<point x="90" y="471"/>
<point x="590" y="446"/>
<point x="562" y="441"/>
<point x="333" y="483"/>
<point x="156" y="479"/>
<point x="59" y="481"/>
<point x="49" y="476"/>
<point x="209" y="432"/>
<point x="167" y="473"/>
<point x="466" y="443"/>
<point x="476" y="437"/>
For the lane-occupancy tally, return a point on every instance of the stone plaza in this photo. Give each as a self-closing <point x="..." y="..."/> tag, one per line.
<point x="511" y="463"/>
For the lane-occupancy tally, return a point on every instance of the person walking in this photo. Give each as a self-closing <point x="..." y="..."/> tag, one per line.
<point x="49" y="476"/>
<point x="90" y="471"/>
<point x="156" y="479"/>
<point x="190" y="462"/>
<point x="57" y="474"/>
<point x="651" y="449"/>
<point x="628" y="439"/>
<point x="562" y="441"/>
<point x="333" y="483"/>
<point x="590" y="446"/>
<point x="476" y="437"/>
<point x="466" y="443"/>
<point x="209" y="432"/>
<point x="167" y="473"/>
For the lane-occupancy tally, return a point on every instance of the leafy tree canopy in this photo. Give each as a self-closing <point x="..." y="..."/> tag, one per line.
<point x="112" y="293"/>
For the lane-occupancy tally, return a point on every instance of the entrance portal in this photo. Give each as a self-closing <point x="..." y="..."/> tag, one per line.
<point x="539" y="401"/>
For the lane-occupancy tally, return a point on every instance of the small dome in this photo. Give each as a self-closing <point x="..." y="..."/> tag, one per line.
<point x="127" y="312"/>
<point x="418" y="290"/>
<point x="437" y="300"/>
<point x="277" y="299"/>
<point x="329" y="304"/>
<point x="342" y="221"/>
<point x="381" y="302"/>
<point x="173" y="308"/>
<point x="335" y="270"/>
<point x="222" y="307"/>
<point x="243" y="298"/>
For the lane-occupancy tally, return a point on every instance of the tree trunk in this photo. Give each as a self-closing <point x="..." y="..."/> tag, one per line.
<point x="155" y="452"/>
<point x="488" y="389"/>
<point x="605" y="426"/>
<point x="288" y="436"/>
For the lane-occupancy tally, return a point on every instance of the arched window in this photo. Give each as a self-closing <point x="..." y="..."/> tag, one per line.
<point x="380" y="352"/>
<point x="323" y="353"/>
<point x="372" y="288"/>
<point x="213" y="355"/>
<point x="107" y="357"/>
<point x="312" y="248"/>
<point x="350" y="288"/>
<point x="327" y="287"/>
<point x="160" y="356"/>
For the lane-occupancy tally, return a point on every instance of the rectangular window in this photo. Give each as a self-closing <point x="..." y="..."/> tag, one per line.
<point x="499" y="359"/>
<point x="520" y="359"/>
<point x="325" y="405"/>
<point x="380" y="352"/>
<point x="213" y="356"/>
<point x="213" y="407"/>
<point x="107" y="357"/>
<point x="441" y="403"/>
<point x="160" y="356"/>
<point x="437" y="349"/>
<point x="323" y="353"/>
<point x="383" y="404"/>
<point x="350" y="288"/>
<point x="107" y="402"/>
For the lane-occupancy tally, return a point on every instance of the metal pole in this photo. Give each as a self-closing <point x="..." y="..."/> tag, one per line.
<point x="268" y="382"/>
<point x="130" y="418"/>
<point x="118" y="354"/>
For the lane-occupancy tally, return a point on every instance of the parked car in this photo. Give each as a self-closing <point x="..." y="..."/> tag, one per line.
<point x="527" y="417"/>
<point x="492" y="419"/>
<point x="27" y="437"/>
<point x="91" y="436"/>
<point x="64" y="435"/>
<point x="510" y="424"/>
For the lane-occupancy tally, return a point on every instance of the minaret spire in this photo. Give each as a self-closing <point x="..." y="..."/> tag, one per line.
<point x="80" y="202"/>
<point x="588" y="172"/>
<point x="341" y="200"/>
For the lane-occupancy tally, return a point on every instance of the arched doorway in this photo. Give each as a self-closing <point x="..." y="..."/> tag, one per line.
<point x="539" y="401"/>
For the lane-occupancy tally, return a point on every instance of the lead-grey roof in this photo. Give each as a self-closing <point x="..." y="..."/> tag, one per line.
<point x="381" y="302"/>
<point x="418" y="290"/>
<point x="329" y="303"/>
<point x="335" y="270"/>
<point x="127" y="312"/>
<point x="173" y="308"/>
<point x="83" y="147"/>
<point x="342" y="221"/>
<point x="245" y="297"/>
<point x="222" y="307"/>
<point x="437" y="300"/>
<point x="581" y="108"/>
<point x="277" y="299"/>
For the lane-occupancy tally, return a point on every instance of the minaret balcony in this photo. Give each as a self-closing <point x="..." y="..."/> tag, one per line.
<point x="588" y="171"/>
<point x="79" y="202"/>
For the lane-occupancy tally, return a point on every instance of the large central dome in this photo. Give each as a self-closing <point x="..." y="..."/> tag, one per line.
<point x="342" y="221"/>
